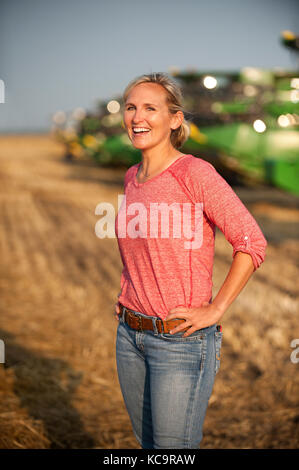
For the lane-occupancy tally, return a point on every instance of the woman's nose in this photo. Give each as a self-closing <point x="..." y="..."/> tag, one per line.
<point x="137" y="116"/>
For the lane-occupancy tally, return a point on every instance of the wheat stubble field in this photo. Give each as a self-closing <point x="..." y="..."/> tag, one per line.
<point x="58" y="286"/>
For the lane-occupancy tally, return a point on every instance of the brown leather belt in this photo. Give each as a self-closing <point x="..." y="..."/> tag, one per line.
<point x="138" y="322"/>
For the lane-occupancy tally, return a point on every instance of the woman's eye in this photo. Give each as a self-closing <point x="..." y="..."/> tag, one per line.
<point x="130" y="107"/>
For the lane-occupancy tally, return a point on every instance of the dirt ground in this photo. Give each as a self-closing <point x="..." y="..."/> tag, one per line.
<point x="58" y="286"/>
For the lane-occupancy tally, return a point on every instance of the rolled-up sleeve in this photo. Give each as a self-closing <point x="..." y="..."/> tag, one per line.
<point x="224" y="208"/>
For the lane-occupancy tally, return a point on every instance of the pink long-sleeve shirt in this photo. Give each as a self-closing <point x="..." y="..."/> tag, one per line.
<point x="165" y="229"/>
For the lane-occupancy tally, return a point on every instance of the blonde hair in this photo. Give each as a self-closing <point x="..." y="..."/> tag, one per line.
<point x="174" y="100"/>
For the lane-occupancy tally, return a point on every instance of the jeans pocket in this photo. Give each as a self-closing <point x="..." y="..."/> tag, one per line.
<point x="218" y="341"/>
<point x="178" y="337"/>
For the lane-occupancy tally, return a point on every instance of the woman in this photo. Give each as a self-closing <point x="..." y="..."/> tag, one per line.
<point x="168" y="337"/>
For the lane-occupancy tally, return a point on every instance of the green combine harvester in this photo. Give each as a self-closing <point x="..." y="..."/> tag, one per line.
<point x="245" y="123"/>
<point x="249" y="129"/>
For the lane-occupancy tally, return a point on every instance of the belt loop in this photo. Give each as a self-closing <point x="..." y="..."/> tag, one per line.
<point x="154" y="321"/>
<point x="140" y="323"/>
<point x="123" y="313"/>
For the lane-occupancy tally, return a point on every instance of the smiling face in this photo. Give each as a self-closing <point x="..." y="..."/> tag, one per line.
<point x="146" y="116"/>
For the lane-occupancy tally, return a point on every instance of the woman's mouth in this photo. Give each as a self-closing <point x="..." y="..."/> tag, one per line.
<point x="138" y="131"/>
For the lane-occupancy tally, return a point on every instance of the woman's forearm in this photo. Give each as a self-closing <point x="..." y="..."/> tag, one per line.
<point x="241" y="269"/>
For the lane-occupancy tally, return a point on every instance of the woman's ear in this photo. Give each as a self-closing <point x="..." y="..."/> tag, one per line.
<point x="177" y="120"/>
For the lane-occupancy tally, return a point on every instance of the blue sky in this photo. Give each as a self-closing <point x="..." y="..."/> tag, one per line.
<point x="63" y="54"/>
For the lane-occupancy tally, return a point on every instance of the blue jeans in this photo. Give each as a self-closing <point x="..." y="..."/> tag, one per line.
<point x="166" y="381"/>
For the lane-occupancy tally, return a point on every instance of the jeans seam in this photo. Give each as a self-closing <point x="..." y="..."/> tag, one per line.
<point x="204" y="352"/>
<point x="217" y="340"/>
<point x="138" y="352"/>
<point x="198" y="388"/>
<point x="139" y="440"/>
<point x="191" y="400"/>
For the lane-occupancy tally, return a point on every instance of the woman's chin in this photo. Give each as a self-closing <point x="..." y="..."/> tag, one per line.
<point x="140" y="146"/>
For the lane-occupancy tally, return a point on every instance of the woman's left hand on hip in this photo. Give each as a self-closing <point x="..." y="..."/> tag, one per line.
<point x="195" y="318"/>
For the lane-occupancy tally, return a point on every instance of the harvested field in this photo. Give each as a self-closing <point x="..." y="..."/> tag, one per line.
<point x="58" y="286"/>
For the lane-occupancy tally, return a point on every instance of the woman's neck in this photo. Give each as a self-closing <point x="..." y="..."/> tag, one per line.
<point x="155" y="163"/>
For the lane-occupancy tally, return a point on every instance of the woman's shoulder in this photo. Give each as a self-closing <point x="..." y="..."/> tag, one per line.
<point x="132" y="168"/>
<point x="130" y="173"/>
<point x="195" y="166"/>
